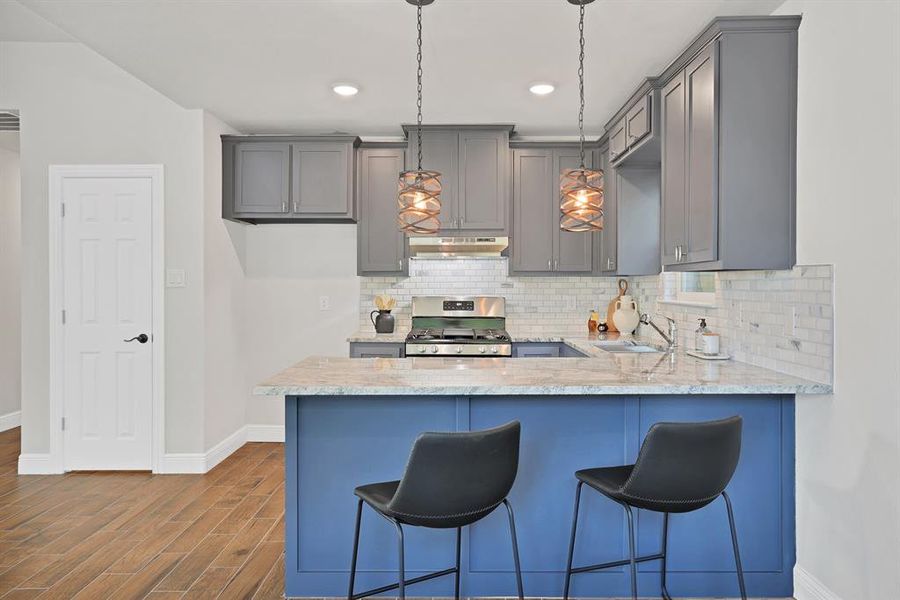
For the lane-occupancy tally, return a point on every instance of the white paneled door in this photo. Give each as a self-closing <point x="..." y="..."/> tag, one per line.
<point x="107" y="348"/>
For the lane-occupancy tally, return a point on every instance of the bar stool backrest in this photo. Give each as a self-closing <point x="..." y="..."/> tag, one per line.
<point x="686" y="464"/>
<point x="454" y="479"/>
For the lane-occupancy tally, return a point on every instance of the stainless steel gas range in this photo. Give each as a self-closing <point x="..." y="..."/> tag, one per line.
<point x="458" y="326"/>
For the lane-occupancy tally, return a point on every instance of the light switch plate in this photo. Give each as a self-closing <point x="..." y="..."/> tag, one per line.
<point x="175" y="278"/>
<point x="324" y="303"/>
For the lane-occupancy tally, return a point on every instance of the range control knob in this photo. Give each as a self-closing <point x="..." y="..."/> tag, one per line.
<point x="494" y="349"/>
<point x="458" y="350"/>
<point x="422" y="349"/>
<point x="482" y="349"/>
<point x="434" y="349"/>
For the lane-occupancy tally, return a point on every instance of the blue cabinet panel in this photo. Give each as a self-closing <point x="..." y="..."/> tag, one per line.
<point x="336" y="444"/>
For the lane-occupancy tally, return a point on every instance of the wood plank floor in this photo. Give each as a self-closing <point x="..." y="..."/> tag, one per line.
<point x="136" y="535"/>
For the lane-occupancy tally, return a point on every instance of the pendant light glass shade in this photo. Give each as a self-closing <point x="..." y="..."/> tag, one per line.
<point x="419" y="202"/>
<point x="581" y="200"/>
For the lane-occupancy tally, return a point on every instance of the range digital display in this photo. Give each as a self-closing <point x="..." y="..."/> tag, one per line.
<point x="459" y="305"/>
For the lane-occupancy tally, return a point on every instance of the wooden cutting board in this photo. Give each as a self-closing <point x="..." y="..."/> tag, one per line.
<point x="623" y="287"/>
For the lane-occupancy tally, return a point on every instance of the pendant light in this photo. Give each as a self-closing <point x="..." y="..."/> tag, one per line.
<point x="419" y="198"/>
<point x="581" y="189"/>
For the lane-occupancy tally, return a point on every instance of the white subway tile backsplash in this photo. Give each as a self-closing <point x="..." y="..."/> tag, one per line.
<point x="753" y="312"/>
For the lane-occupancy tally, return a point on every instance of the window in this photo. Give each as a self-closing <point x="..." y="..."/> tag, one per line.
<point x="689" y="288"/>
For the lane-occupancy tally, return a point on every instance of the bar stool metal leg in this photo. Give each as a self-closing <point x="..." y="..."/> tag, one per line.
<point x="458" y="542"/>
<point x="355" y="549"/>
<point x="631" y="560"/>
<point x="401" y="587"/>
<point x="572" y="542"/>
<point x="734" y="542"/>
<point x="665" y="550"/>
<point x="515" y="547"/>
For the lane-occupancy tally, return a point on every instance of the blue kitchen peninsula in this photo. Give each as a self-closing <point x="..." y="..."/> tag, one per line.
<point x="353" y="421"/>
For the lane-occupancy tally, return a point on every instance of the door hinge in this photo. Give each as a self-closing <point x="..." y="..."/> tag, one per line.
<point x="64" y="316"/>
<point x="62" y="209"/>
<point x="63" y="423"/>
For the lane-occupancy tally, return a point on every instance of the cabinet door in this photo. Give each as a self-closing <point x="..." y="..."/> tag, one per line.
<point x="534" y="212"/>
<point x="322" y="179"/>
<point x="262" y="179"/>
<point x="609" y="235"/>
<point x="618" y="140"/>
<point x="376" y="350"/>
<point x="440" y="152"/>
<point x="573" y="251"/>
<point x="674" y="170"/>
<point x="381" y="243"/>
<point x="702" y="159"/>
<point x="637" y="121"/>
<point x="483" y="165"/>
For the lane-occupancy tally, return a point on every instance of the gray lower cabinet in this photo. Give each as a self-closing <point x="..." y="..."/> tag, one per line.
<point x="728" y="152"/>
<point x="377" y="350"/>
<point x="284" y="179"/>
<point x="544" y="350"/>
<point x="539" y="247"/>
<point x="381" y="245"/>
<point x="474" y="166"/>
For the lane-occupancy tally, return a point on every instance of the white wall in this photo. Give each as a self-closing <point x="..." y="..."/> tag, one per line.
<point x="848" y="194"/>
<point x="10" y="255"/>
<point x="288" y="268"/>
<point x="225" y="382"/>
<point x="78" y="108"/>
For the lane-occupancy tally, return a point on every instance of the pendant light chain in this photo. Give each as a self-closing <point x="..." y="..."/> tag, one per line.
<point x="419" y="84"/>
<point x="581" y="83"/>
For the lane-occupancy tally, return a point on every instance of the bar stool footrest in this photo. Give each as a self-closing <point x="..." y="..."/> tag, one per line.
<point x="394" y="586"/>
<point x="617" y="563"/>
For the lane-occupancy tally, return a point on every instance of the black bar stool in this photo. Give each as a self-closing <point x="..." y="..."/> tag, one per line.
<point x="680" y="468"/>
<point x="451" y="480"/>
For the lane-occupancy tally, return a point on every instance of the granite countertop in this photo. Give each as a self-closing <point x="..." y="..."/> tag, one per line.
<point x="600" y="373"/>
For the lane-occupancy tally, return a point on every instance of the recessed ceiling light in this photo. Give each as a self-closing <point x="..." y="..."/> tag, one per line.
<point x="542" y="89"/>
<point x="345" y="89"/>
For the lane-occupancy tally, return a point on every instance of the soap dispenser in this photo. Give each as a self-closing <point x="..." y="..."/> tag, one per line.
<point x="698" y="335"/>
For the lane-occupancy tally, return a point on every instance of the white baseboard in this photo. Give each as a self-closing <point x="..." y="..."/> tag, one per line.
<point x="37" y="464"/>
<point x="223" y="449"/>
<point x="265" y="433"/>
<point x="10" y="420"/>
<point x="808" y="587"/>
<point x="201" y="462"/>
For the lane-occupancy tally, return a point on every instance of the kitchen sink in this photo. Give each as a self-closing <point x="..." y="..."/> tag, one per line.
<point x="627" y="347"/>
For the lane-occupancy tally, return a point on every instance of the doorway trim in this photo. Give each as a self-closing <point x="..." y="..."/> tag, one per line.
<point x="58" y="173"/>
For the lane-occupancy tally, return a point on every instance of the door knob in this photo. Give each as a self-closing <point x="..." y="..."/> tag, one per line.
<point x="143" y="338"/>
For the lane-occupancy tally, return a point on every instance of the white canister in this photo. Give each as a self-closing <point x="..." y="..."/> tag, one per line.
<point x="710" y="343"/>
<point x="626" y="316"/>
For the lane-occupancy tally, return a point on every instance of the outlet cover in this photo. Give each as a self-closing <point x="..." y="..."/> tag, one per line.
<point x="324" y="303"/>
<point x="175" y="278"/>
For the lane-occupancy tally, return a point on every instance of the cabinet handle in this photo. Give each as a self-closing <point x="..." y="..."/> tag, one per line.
<point x="556" y="265"/>
<point x="677" y="253"/>
<point x="549" y="264"/>
<point x="284" y="206"/>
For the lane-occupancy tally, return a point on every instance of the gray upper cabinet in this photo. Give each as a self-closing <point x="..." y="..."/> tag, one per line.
<point x="618" y="139"/>
<point x="474" y="166"/>
<point x="728" y="151"/>
<point x="262" y="179"/>
<point x="637" y="120"/>
<point x="381" y="244"/>
<point x="323" y="177"/>
<point x="483" y="176"/>
<point x="539" y="247"/>
<point x="533" y="211"/>
<point x="608" y="258"/>
<point x="274" y="179"/>
<point x="674" y="171"/>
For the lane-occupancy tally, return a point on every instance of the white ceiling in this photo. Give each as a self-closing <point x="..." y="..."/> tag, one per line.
<point x="268" y="66"/>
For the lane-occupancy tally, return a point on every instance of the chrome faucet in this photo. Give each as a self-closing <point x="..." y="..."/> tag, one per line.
<point x="672" y="337"/>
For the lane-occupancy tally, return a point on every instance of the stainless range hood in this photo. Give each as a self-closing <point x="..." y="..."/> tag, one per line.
<point x="454" y="247"/>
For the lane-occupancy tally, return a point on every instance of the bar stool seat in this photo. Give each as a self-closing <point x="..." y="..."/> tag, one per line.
<point x="452" y="480"/>
<point x="681" y="467"/>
